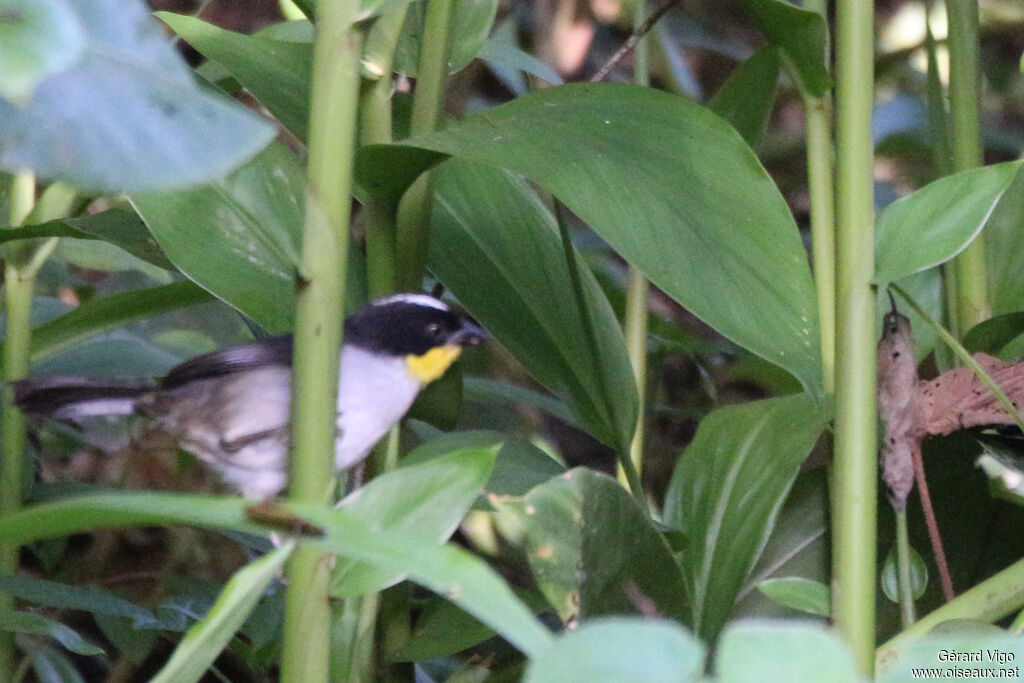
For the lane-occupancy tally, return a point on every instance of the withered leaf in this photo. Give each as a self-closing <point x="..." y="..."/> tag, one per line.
<point x="957" y="399"/>
<point x="898" y="406"/>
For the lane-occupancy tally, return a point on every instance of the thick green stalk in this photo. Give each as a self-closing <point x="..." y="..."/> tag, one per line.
<point x="427" y="104"/>
<point x="319" y="311"/>
<point x="964" y="93"/>
<point x="636" y="295"/>
<point x="855" y="461"/>
<point x="18" y="298"/>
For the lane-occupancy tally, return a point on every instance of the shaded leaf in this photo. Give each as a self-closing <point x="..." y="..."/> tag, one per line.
<point x="276" y="72"/>
<point x="238" y="238"/>
<point x="592" y="549"/>
<point x="805" y="595"/>
<point x="1004" y="250"/>
<point x="727" y="489"/>
<point x="993" y="334"/>
<point x="37" y="624"/>
<point x="717" y="237"/>
<point x="204" y="642"/>
<point x="890" y="576"/>
<point x="426" y="501"/>
<point x="63" y="596"/>
<point x="75" y="127"/>
<point x="938" y="221"/>
<point x="493" y="240"/>
<point x="802" y="37"/>
<point x="613" y="650"/>
<point x="746" y="99"/>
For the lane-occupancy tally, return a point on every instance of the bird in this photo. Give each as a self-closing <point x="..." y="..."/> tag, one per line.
<point x="231" y="407"/>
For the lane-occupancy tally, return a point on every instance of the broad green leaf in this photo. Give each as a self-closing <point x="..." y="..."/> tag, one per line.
<point x="926" y="288"/>
<point x="63" y="596"/>
<point x="1004" y="250"/>
<point x="208" y="637"/>
<point x="614" y="650"/>
<point x="276" y="72"/>
<point x="1003" y="653"/>
<point x="39" y="38"/>
<point x="798" y="546"/>
<point x="937" y="222"/>
<point x="801" y="35"/>
<point x="746" y="99"/>
<point x="495" y="391"/>
<point x="238" y="238"/>
<point x="493" y="240"/>
<point x="805" y="595"/>
<point x="504" y="56"/>
<point x="127" y="115"/>
<point x="712" y="231"/>
<point x="37" y="624"/>
<point x="114" y="354"/>
<point x="890" y="575"/>
<point x="52" y="666"/>
<point x="454" y="573"/>
<point x="426" y="501"/>
<point x="110" y="313"/>
<point x="443" y="629"/>
<point x="592" y="549"/>
<point x="727" y="489"/>
<point x="783" y="651"/>
<point x="995" y="333"/>
<point x="470" y="26"/>
<point x="114" y="226"/>
<point x="518" y="468"/>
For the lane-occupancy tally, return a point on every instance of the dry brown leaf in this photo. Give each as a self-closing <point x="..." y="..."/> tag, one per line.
<point x="898" y="406"/>
<point x="957" y="399"/>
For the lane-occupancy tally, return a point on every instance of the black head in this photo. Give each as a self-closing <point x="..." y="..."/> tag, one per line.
<point x="413" y="324"/>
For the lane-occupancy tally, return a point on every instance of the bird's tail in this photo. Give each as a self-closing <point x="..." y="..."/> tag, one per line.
<point x="73" y="398"/>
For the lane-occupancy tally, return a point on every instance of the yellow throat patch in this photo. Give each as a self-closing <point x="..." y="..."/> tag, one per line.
<point x="433" y="363"/>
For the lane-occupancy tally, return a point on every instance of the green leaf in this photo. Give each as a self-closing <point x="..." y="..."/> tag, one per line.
<point x="783" y="651"/>
<point x="426" y="501"/>
<point x="805" y="595"/>
<point x="746" y="99"/>
<point x="501" y="52"/>
<point x="461" y="577"/>
<point x="592" y="549"/>
<point x="443" y="629"/>
<point x="613" y="650"/>
<point x="127" y="115"/>
<point x="209" y="636"/>
<point x="52" y="666"/>
<point x="938" y="654"/>
<point x="937" y="222"/>
<point x="890" y="576"/>
<point x="995" y="333"/>
<point x="110" y="313"/>
<point x="40" y="38"/>
<point x="493" y="240"/>
<point x="801" y="35"/>
<point x="37" y="624"/>
<point x="712" y="231"/>
<point x="518" y="468"/>
<point x="63" y="596"/>
<point x="276" y="72"/>
<point x="471" y="24"/>
<point x="238" y="238"/>
<point x="727" y="489"/>
<point x="1004" y="250"/>
<point x="115" y="226"/>
<point x="495" y="391"/>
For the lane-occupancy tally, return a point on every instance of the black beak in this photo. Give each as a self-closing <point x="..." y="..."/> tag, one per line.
<point x="470" y="334"/>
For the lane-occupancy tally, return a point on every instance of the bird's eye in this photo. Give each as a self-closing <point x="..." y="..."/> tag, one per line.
<point x="434" y="329"/>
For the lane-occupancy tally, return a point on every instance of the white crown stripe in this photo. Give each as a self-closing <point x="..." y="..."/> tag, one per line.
<point x="418" y="299"/>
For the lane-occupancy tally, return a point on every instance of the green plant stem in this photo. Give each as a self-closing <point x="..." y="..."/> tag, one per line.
<point x="964" y="92"/>
<point x="989" y="601"/>
<point x="427" y="104"/>
<point x="855" y="462"/>
<point x="319" y="310"/>
<point x="965" y="357"/>
<point x="906" y="590"/>
<point x="636" y="295"/>
<point x="16" y="354"/>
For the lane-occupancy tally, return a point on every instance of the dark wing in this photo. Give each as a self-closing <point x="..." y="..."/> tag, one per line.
<point x="258" y="354"/>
